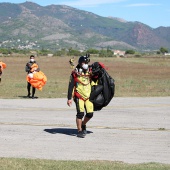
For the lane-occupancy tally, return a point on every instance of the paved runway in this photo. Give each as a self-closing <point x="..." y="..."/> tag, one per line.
<point x="132" y="130"/>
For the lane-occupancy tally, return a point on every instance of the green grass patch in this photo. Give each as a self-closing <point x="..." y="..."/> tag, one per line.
<point x="38" y="164"/>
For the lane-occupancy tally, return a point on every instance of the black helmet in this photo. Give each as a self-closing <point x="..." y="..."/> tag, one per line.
<point x="84" y="59"/>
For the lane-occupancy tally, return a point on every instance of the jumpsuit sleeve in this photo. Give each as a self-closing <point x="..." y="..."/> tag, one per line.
<point x="27" y="68"/>
<point x="70" y="87"/>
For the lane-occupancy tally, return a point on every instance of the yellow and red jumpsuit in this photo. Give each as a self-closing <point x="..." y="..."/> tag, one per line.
<point x="80" y="88"/>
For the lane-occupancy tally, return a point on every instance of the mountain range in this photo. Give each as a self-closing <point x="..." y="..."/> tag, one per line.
<point x="29" y="25"/>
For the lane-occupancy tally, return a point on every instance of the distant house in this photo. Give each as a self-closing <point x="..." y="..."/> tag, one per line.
<point x="50" y="55"/>
<point x="167" y="54"/>
<point x="119" y="53"/>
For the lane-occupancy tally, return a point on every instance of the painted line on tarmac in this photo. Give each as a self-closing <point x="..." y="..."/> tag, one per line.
<point x="39" y="108"/>
<point x="73" y="108"/>
<point x="93" y="127"/>
<point x="138" y="106"/>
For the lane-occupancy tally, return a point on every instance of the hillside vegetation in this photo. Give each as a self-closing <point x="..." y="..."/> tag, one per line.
<point x="29" y="25"/>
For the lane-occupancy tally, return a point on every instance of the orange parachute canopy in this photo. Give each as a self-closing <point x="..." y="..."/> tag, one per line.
<point x="37" y="79"/>
<point x="3" y="65"/>
<point x="34" y="67"/>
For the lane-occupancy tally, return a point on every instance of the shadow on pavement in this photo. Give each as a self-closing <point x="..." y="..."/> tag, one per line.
<point x="26" y="97"/>
<point x="66" y="131"/>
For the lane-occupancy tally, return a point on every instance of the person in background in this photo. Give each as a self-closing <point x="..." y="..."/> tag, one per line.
<point x="71" y="61"/>
<point x="28" y="69"/>
<point x="0" y="72"/>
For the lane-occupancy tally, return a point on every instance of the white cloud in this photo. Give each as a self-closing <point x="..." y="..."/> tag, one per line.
<point x="83" y="3"/>
<point x="140" y="5"/>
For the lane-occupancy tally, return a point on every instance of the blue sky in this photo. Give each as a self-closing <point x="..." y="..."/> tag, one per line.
<point x="154" y="13"/>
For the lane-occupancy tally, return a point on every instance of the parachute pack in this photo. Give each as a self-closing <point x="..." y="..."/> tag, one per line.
<point x="103" y="92"/>
<point x="2" y="65"/>
<point x="36" y="79"/>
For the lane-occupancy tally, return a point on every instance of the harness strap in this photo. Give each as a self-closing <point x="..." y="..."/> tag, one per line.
<point x="79" y="96"/>
<point x="76" y="80"/>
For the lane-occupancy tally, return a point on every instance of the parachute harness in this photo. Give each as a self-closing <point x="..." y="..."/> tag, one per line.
<point x="76" y="80"/>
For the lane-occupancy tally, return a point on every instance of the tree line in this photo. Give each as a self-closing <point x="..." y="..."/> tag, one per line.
<point x="73" y="52"/>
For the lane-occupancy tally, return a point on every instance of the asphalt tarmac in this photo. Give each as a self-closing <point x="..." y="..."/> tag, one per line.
<point x="132" y="130"/>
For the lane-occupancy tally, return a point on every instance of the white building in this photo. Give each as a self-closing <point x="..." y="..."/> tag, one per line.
<point x="119" y="53"/>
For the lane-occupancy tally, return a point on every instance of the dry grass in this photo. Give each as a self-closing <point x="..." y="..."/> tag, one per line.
<point x="133" y="76"/>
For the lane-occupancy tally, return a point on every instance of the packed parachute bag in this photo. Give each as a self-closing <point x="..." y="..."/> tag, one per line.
<point x="103" y="86"/>
<point x="2" y="65"/>
<point x="37" y="78"/>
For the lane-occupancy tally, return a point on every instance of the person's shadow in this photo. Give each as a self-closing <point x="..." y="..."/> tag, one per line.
<point x="65" y="131"/>
<point x="26" y="97"/>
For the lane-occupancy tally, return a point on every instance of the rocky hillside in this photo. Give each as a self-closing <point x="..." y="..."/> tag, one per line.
<point x="29" y="25"/>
